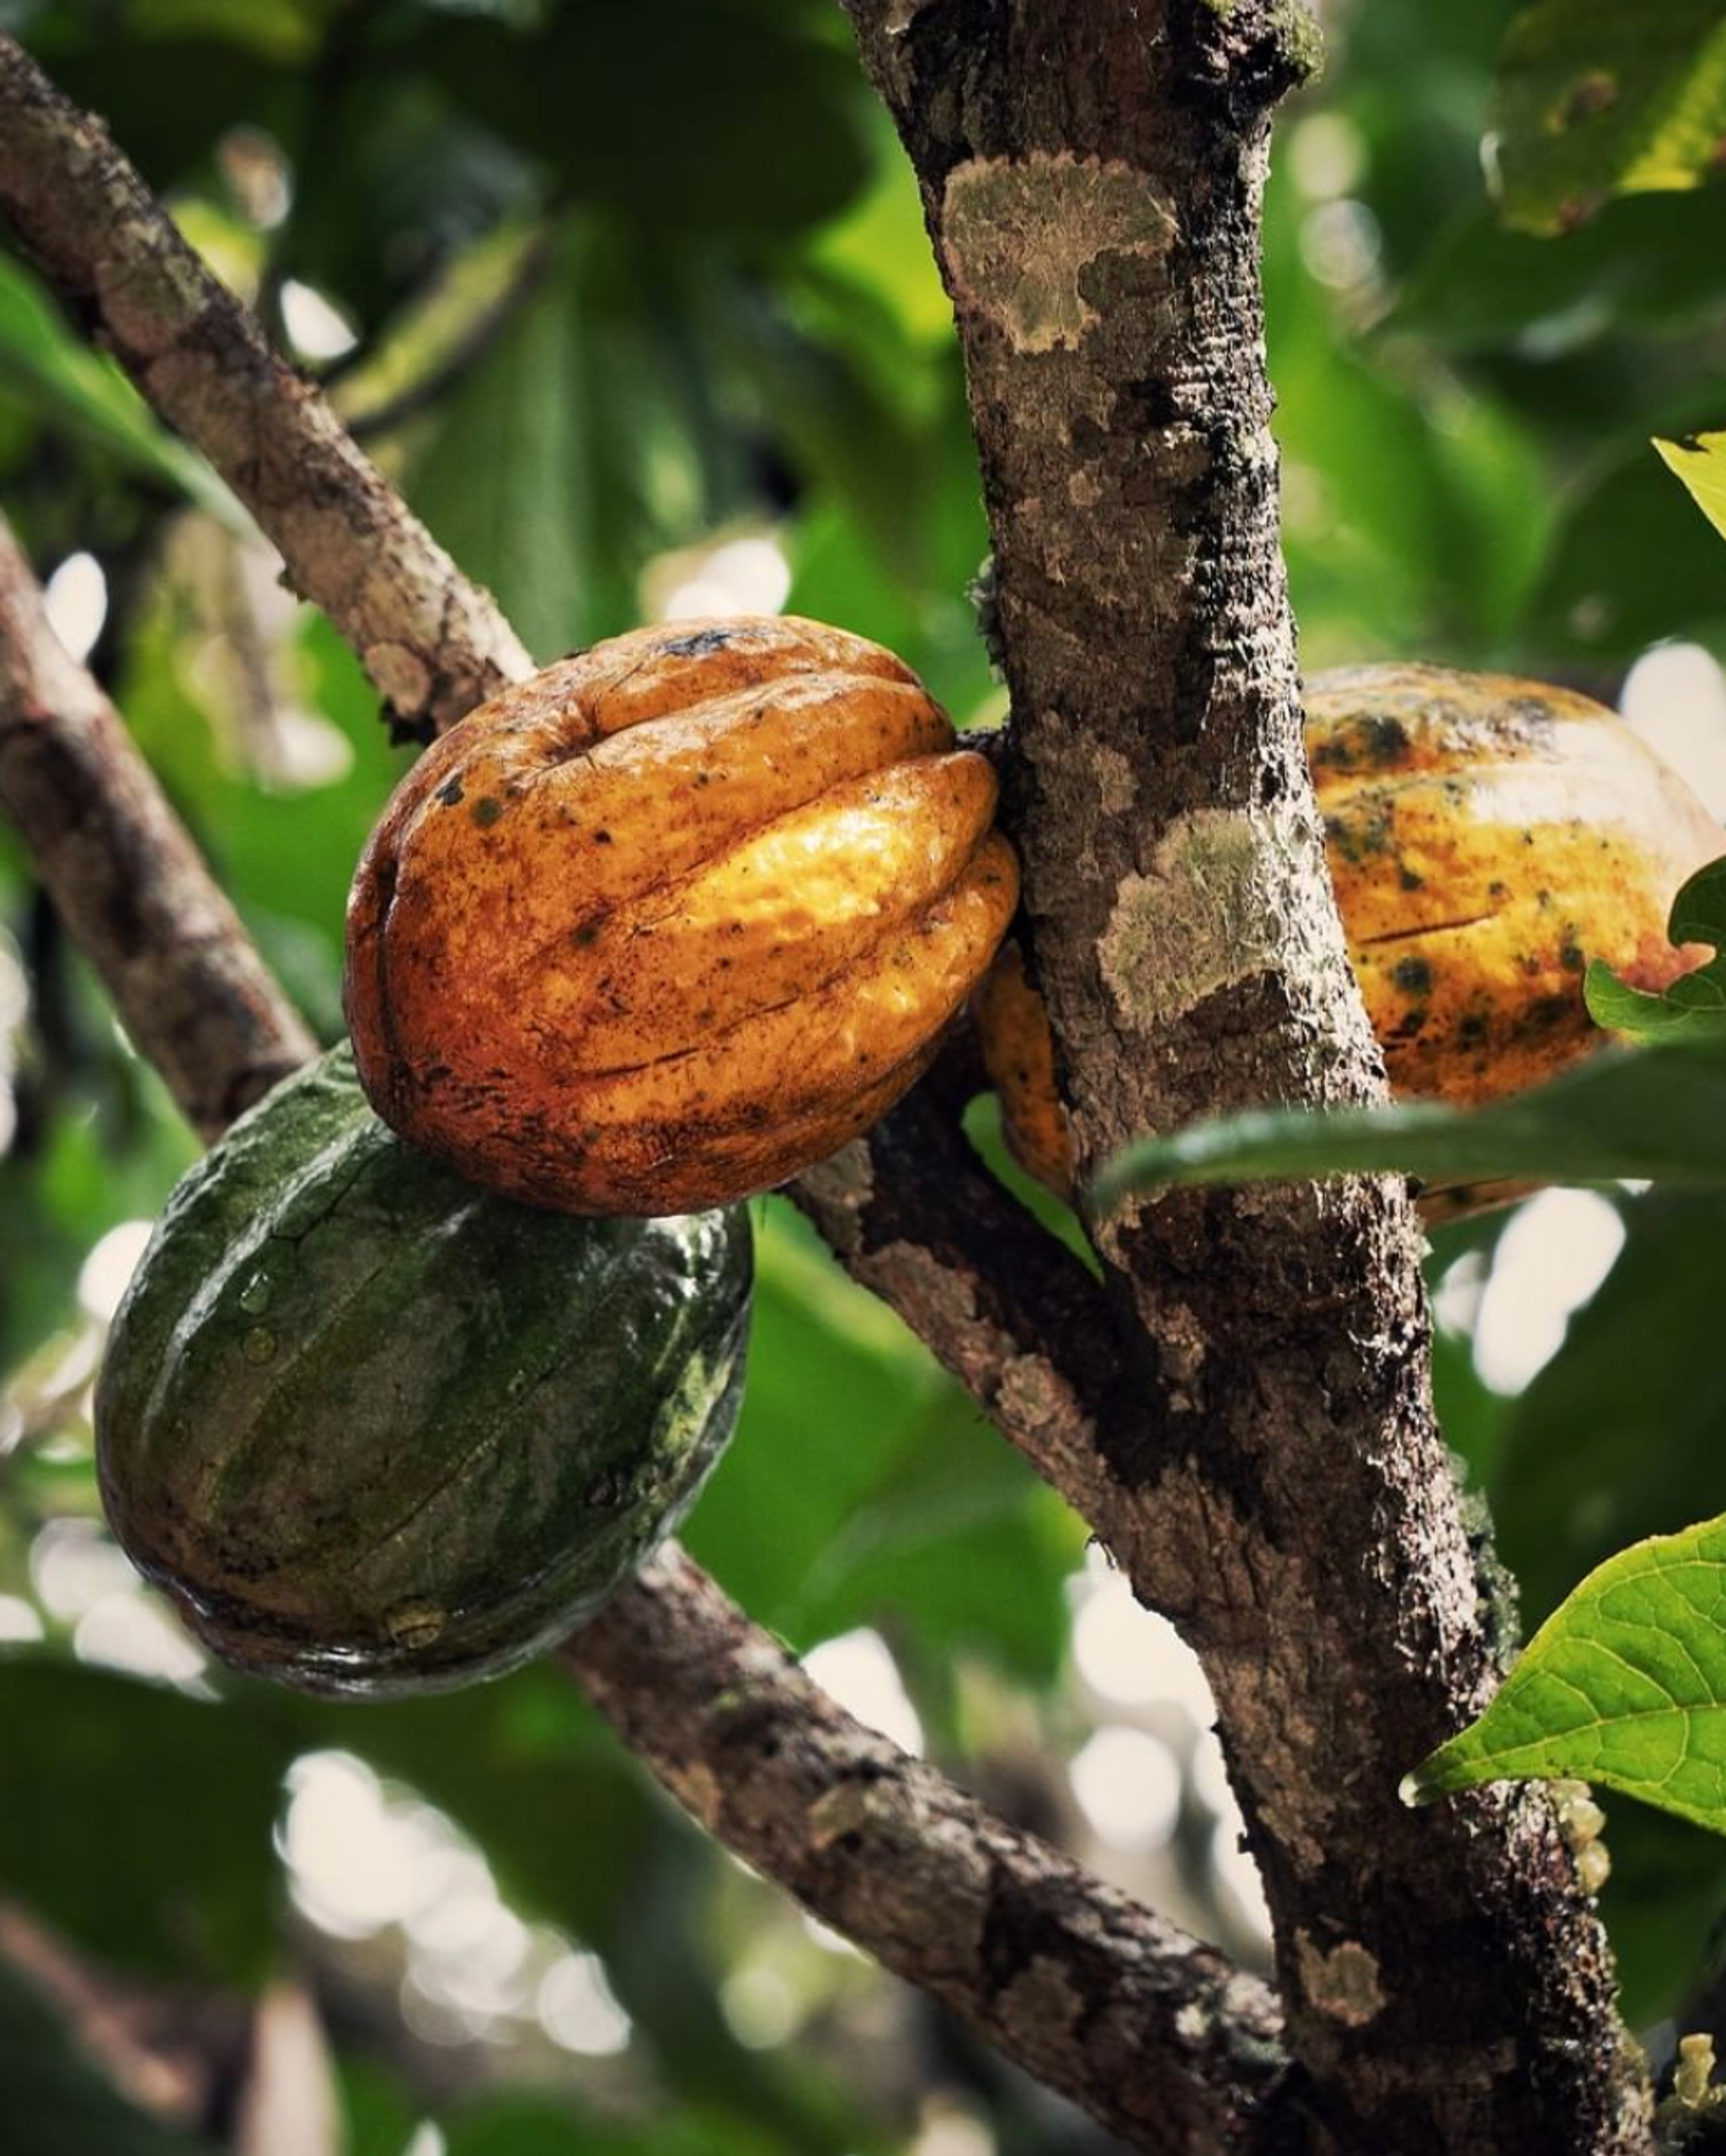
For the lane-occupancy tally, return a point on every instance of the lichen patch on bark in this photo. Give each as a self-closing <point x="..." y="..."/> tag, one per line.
<point x="1213" y="910"/>
<point x="1018" y="234"/>
<point x="1343" y="1984"/>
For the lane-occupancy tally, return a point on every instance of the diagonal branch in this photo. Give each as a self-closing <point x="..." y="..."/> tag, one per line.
<point x="1152" y="2034"/>
<point x="198" y="1001"/>
<point x="433" y="644"/>
<point x="1155" y="2034"/>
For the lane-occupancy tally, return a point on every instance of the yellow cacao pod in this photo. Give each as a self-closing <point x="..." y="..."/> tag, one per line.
<point x="675" y="918"/>
<point x="1486" y="837"/>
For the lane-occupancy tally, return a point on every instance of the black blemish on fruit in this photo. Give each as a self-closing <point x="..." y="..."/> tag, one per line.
<point x="602" y="838"/>
<point x="1571" y="959"/>
<point x="701" y="645"/>
<point x="450" y="792"/>
<point x="486" y="811"/>
<point x="1413" y="976"/>
<point x="1385" y="742"/>
<point x="1409" y="879"/>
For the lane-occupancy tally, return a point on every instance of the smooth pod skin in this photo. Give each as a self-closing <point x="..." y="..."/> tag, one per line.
<point x="1486" y="837"/>
<point x="379" y="1432"/>
<point x="675" y="919"/>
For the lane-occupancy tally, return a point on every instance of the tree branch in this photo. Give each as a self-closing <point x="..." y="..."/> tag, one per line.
<point x="194" y="994"/>
<point x="938" y="1240"/>
<point x="433" y="644"/>
<point x="1152" y="2032"/>
<point x="1091" y="181"/>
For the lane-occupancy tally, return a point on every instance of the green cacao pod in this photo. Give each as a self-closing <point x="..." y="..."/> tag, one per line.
<point x="379" y="1432"/>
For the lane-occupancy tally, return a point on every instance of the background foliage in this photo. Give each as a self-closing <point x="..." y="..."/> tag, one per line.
<point x="635" y="300"/>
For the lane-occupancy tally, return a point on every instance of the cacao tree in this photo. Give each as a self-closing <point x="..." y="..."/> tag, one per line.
<point x="357" y="360"/>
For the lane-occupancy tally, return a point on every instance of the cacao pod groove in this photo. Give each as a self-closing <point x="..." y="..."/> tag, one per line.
<point x="675" y="918"/>
<point x="378" y="1431"/>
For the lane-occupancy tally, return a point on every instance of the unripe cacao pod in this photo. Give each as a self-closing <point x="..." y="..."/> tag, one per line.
<point x="675" y="919"/>
<point x="378" y="1432"/>
<point x="1486" y="837"/>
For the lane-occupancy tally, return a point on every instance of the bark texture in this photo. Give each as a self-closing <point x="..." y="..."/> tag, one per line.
<point x="1154" y="2035"/>
<point x="434" y="645"/>
<point x="1091" y="180"/>
<point x="198" y="1001"/>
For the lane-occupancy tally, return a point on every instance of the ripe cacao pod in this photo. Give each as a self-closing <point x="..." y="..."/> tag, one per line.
<point x="675" y="918"/>
<point x="379" y="1432"/>
<point x="1486" y="837"/>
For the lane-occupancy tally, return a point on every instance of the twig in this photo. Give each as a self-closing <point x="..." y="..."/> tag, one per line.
<point x="1143" y="2026"/>
<point x="1091" y="179"/>
<point x="433" y="642"/>
<point x="191" y="991"/>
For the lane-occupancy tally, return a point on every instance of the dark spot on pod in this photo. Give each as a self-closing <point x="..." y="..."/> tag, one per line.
<point x="699" y="645"/>
<point x="1413" y="976"/>
<point x="1410" y="879"/>
<point x="602" y="838"/>
<point x="450" y="792"/>
<point x="486" y="811"/>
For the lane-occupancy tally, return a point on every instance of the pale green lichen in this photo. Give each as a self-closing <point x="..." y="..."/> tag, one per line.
<point x="1212" y="912"/>
<point x="1293" y="25"/>
<point x="1018" y="235"/>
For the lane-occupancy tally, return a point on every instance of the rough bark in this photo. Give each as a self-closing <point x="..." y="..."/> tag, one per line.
<point x="1091" y="180"/>
<point x="433" y="644"/>
<point x="1154" y="2035"/>
<point x="196" y="998"/>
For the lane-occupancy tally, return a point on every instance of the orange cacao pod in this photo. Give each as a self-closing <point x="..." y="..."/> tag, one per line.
<point x="675" y="918"/>
<point x="1486" y="837"/>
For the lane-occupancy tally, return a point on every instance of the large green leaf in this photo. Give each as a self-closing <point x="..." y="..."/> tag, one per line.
<point x="1658" y="1113"/>
<point x="1624" y="1686"/>
<point x="1597" y="98"/>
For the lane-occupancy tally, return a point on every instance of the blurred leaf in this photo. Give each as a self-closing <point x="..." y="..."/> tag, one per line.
<point x="62" y="381"/>
<point x="572" y="453"/>
<point x="713" y="116"/>
<point x="1693" y="1007"/>
<point x="1618" y="1436"/>
<point x="57" y="2103"/>
<point x="139" y="1821"/>
<point x="1595" y="98"/>
<point x="1629" y="566"/>
<point x="1700" y="462"/>
<point x="1655" y="1112"/>
<point x="1624" y="1686"/>
<point x="1647" y="261"/>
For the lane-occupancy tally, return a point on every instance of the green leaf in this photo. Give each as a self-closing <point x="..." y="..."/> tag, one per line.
<point x="62" y="381"/>
<point x="1658" y="1113"/>
<point x="1624" y="1686"/>
<point x="1693" y="1007"/>
<point x="1597" y="99"/>
<point x="1700" y="462"/>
